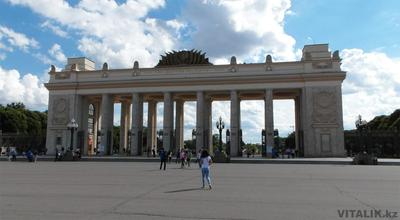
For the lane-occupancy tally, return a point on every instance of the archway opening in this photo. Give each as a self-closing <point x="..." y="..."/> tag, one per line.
<point x="284" y="128"/>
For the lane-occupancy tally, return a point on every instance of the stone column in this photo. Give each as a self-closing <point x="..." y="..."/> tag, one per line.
<point x="208" y="125"/>
<point x="137" y="124"/>
<point x="123" y="127"/>
<point x="107" y="113"/>
<point x="305" y="116"/>
<point x="83" y="126"/>
<point x="1" y="138"/>
<point x="96" y="126"/>
<point x="151" y="125"/>
<point x="168" y="121"/>
<point x="235" y="124"/>
<point x="200" y="121"/>
<point x="298" y="126"/>
<point x="154" y="134"/>
<point x="269" y="120"/>
<point x="339" y="150"/>
<point x="129" y="128"/>
<point x="179" y="125"/>
<point x="75" y="113"/>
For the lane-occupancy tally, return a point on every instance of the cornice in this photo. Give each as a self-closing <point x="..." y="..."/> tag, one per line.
<point x="198" y="80"/>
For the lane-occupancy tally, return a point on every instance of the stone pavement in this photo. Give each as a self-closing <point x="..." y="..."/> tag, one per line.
<point x="139" y="190"/>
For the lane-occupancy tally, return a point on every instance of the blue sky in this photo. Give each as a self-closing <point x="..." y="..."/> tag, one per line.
<point x="37" y="33"/>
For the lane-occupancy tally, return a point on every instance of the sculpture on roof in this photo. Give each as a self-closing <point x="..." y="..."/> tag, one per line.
<point x="183" y="57"/>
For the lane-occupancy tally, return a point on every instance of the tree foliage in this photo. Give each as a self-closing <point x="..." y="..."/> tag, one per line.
<point x="15" y="118"/>
<point x="385" y="122"/>
<point x="381" y="136"/>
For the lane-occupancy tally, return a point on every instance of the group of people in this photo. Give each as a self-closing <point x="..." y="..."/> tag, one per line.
<point x="30" y="155"/>
<point x="288" y="153"/>
<point x="60" y="154"/>
<point x="11" y="154"/>
<point x="184" y="156"/>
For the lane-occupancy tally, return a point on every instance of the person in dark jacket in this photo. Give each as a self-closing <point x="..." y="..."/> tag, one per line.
<point x="163" y="158"/>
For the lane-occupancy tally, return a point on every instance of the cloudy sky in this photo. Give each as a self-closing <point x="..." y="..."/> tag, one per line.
<point x="37" y="33"/>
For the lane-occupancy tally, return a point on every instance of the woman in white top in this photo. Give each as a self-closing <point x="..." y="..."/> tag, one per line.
<point x="205" y="161"/>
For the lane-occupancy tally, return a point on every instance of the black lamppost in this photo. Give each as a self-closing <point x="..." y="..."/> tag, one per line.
<point x="73" y="126"/>
<point x="160" y="134"/>
<point x="128" y="149"/>
<point x="228" y="142"/>
<point x="220" y="126"/>
<point x="360" y="126"/>
<point x="194" y="133"/>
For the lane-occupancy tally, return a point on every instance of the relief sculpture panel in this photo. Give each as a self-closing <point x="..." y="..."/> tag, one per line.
<point x="60" y="111"/>
<point x="325" y="106"/>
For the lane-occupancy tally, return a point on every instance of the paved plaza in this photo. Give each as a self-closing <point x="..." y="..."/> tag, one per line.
<point x="139" y="190"/>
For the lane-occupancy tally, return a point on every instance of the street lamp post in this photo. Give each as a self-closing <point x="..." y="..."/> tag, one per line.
<point x="360" y="125"/>
<point x="73" y="126"/>
<point x="194" y="134"/>
<point x="160" y="134"/>
<point x="220" y="126"/>
<point x="366" y="156"/>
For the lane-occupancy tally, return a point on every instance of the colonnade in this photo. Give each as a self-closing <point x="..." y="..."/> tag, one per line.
<point x="131" y="122"/>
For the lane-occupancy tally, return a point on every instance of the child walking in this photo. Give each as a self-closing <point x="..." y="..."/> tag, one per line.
<point x="205" y="161"/>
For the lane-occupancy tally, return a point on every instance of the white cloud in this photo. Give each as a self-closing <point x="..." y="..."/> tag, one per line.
<point x="16" y="39"/>
<point x="372" y="85"/>
<point x="55" y="29"/>
<point x="55" y="55"/>
<point x="27" y="89"/>
<point x="5" y="47"/>
<point x="247" y="29"/>
<point x="42" y="57"/>
<point x="177" y="25"/>
<point x="110" y="32"/>
<point x="56" y="52"/>
<point x="120" y="33"/>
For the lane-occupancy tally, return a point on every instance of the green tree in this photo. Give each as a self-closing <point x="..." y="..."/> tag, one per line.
<point x="13" y="120"/>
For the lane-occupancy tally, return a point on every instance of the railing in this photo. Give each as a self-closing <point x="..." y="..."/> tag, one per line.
<point x="384" y="143"/>
<point x="22" y="142"/>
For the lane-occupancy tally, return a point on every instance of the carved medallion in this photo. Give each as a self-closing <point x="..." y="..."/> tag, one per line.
<point x="60" y="111"/>
<point x="325" y="107"/>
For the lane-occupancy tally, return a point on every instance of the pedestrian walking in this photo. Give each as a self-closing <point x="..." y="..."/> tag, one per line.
<point x="29" y="155"/>
<point x="178" y="155"/>
<point x="205" y="161"/>
<point x="198" y="156"/>
<point x="8" y="153"/>
<point x="183" y="158"/>
<point x="35" y="155"/>
<point x="163" y="158"/>
<point x="169" y="156"/>
<point x="189" y="157"/>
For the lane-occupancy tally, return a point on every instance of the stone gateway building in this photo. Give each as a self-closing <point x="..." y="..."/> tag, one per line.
<point x="86" y="95"/>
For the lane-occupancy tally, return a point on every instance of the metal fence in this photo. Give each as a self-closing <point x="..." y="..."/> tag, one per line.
<point x="384" y="143"/>
<point x="23" y="142"/>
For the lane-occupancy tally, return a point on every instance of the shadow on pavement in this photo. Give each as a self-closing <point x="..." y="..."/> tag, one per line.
<point x="184" y="190"/>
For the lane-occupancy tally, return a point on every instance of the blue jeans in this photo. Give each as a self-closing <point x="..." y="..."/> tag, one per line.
<point x="205" y="173"/>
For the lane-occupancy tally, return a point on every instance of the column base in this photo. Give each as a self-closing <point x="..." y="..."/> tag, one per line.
<point x="221" y="157"/>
